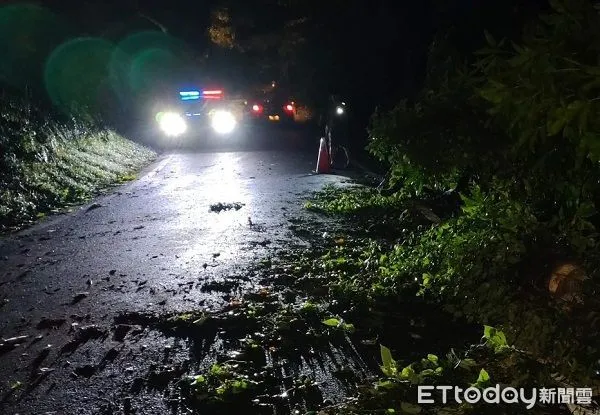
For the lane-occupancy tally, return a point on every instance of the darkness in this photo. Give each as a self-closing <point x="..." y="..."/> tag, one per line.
<point x="373" y="53"/>
<point x="213" y="250"/>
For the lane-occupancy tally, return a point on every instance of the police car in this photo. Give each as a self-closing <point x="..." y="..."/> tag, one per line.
<point x="198" y="113"/>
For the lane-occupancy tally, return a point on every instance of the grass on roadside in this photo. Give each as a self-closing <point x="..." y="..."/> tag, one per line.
<point x="489" y="265"/>
<point x="69" y="172"/>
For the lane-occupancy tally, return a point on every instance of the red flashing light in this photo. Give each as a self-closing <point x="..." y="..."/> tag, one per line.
<point x="212" y="94"/>
<point x="257" y="108"/>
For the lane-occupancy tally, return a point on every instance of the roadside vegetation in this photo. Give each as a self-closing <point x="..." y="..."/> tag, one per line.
<point x="49" y="161"/>
<point x="500" y="155"/>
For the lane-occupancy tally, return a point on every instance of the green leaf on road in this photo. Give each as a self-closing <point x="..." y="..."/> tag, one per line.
<point x="467" y="363"/>
<point x="332" y="322"/>
<point x="432" y="358"/>
<point x="483" y="378"/>
<point x="349" y="327"/>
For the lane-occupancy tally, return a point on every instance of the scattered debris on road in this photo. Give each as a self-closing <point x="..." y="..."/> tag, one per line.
<point x="219" y="207"/>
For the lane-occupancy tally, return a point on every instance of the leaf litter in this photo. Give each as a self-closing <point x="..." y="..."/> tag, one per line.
<point x="220" y="207"/>
<point x="287" y="346"/>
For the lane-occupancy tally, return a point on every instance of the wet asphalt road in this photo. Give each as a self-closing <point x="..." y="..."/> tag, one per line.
<point x="142" y="247"/>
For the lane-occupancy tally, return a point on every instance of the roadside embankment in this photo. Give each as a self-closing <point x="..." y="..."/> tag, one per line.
<point x="47" y="165"/>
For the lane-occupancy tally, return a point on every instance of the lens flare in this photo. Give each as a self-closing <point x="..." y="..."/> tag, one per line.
<point x="76" y="74"/>
<point x="146" y="62"/>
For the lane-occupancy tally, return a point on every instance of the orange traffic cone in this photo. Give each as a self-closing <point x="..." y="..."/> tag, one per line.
<point x="323" y="166"/>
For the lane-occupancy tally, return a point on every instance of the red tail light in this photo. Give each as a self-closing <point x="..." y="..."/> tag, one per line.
<point x="289" y="108"/>
<point x="257" y="108"/>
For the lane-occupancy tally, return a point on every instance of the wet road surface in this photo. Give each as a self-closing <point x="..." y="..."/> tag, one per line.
<point x="192" y="218"/>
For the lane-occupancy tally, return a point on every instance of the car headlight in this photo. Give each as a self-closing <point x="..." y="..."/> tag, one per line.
<point x="171" y="123"/>
<point x="223" y="122"/>
<point x="340" y="110"/>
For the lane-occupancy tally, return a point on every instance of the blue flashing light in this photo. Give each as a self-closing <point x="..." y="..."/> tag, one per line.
<point x="189" y="93"/>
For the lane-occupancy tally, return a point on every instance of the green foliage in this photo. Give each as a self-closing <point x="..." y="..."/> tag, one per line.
<point x="487" y="266"/>
<point x="219" y="383"/>
<point x="495" y="338"/>
<point x="339" y="324"/>
<point x="442" y="136"/>
<point x="519" y="131"/>
<point x="46" y="165"/>
<point x="482" y="244"/>
<point x="481" y="365"/>
<point x="525" y="113"/>
<point x="435" y="141"/>
<point x="544" y="90"/>
<point x="352" y="200"/>
<point x="543" y="94"/>
<point x="416" y="373"/>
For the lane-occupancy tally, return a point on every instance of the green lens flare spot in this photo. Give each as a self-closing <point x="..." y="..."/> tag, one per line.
<point x="153" y="59"/>
<point x="77" y="73"/>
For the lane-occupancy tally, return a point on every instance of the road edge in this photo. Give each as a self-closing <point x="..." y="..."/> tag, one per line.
<point x="148" y="172"/>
